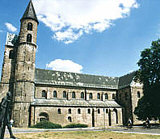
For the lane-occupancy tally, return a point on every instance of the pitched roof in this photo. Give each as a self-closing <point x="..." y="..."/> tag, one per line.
<point x="75" y="102"/>
<point x="51" y="77"/>
<point x="30" y="12"/>
<point x="126" y="80"/>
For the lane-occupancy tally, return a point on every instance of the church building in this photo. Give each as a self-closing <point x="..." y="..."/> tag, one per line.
<point x="61" y="97"/>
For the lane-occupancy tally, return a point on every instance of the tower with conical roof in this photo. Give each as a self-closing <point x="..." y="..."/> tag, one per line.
<point x="25" y="67"/>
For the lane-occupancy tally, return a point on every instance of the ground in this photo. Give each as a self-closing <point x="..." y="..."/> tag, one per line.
<point x="88" y="133"/>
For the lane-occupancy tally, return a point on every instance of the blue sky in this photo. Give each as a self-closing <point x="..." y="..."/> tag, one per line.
<point x="86" y="37"/>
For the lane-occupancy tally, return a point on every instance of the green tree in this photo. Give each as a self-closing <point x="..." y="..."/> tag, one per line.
<point x="149" y="75"/>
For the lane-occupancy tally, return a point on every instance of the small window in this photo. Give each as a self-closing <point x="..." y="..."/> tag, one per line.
<point x="106" y="110"/>
<point x="59" y="111"/>
<point x="99" y="111"/>
<point x="138" y="94"/>
<point x="73" y="95"/>
<point x="82" y="95"/>
<point x="44" y="94"/>
<point x="29" y="38"/>
<point x="11" y="54"/>
<point x="90" y="96"/>
<point x="54" y="93"/>
<point x="106" y="96"/>
<point x="113" y="96"/>
<point x="79" y="111"/>
<point x="69" y="111"/>
<point x="64" y="94"/>
<point x="69" y="119"/>
<point x="29" y="26"/>
<point x="89" y="111"/>
<point x="98" y="96"/>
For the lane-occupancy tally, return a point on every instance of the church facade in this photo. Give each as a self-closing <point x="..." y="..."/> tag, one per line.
<point x="61" y="97"/>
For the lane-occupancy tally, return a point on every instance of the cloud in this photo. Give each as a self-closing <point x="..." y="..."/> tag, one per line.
<point x="10" y="27"/>
<point x="65" y="65"/>
<point x="70" y="19"/>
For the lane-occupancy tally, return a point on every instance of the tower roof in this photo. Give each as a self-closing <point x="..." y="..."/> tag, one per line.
<point x="30" y="12"/>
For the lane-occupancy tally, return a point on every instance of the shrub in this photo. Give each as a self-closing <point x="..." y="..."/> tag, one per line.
<point x="76" y="126"/>
<point x="46" y="125"/>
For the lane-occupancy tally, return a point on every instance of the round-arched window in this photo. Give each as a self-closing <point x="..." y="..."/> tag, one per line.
<point x="138" y="94"/>
<point x="29" y="38"/>
<point x="106" y="96"/>
<point x="54" y="93"/>
<point x="44" y="94"/>
<point x="30" y="26"/>
<point x="82" y="95"/>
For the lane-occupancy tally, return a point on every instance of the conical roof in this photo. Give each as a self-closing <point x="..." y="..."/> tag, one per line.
<point x="30" y="12"/>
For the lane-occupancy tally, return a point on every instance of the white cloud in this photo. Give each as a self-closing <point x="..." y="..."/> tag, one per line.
<point x="69" y="19"/>
<point x="10" y="27"/>
<point x="65" y="65"/>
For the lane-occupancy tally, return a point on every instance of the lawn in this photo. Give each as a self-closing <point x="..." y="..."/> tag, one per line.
<point x="84" y="135"/>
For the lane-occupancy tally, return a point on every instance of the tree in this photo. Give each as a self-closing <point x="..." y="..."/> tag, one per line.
<point x="149" y="75"/>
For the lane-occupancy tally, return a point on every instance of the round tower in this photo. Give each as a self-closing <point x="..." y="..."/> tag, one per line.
<point x="25" y="67"/>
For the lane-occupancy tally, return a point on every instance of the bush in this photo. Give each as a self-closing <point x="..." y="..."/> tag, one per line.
<point x="76" y="126"/>
<point x="46" y="125"/>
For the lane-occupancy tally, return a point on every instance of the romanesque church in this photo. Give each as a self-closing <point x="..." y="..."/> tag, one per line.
<point x="61" y="97"/>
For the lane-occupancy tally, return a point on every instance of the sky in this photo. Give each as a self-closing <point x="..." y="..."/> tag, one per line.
<point x="101" y="37"/>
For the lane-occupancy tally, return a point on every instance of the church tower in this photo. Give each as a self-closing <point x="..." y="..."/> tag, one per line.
<point x="25" y="67"/>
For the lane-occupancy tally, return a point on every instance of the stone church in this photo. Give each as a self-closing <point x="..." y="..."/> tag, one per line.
<point x="61" y="97"/>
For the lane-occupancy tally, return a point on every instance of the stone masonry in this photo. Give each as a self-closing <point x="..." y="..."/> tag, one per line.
<point x="61" y="97"/>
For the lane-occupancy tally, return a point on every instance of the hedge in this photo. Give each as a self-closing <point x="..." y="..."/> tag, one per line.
<point x="76" y="126"/>
<point x="46" y="125"/>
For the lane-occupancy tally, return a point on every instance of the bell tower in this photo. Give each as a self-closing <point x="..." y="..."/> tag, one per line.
<point x="25" y="67"/>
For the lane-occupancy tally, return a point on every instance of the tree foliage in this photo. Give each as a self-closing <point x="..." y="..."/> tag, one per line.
<point x="149" y="75"/>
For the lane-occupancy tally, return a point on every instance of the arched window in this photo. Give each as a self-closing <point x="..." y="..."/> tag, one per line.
<point x="11" y="54"/>
<point x="44" y="94"/>
<point x="79" y="111"/>
<point x="82" y="95"/>
<point x="30" y="26"/>
<point x="73" y="95"/>
<point x="138" y="94"/>
<point x="29" y="38"/>
<point x="113" y="96"/>
<point x="69" y="111"/>
<point x="106" y="96"/>
<point x="44" y="116"/>
<point x="99" y="111"/>
<point x="69" y="119"/>
<point x="89" y="111"/>
<point x="106" y="110"/>
<point x="64" y="94"/>
<point x="98" y="95"/>
<point x="90" y="96"/>
<point x="59" y="111"/>
<point x="54" y="93"/>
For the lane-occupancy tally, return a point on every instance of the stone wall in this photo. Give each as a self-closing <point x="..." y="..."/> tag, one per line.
<point x="7" y="77"/>
<point x="98" y="117"/>
<point x="137" y="93"/>
<point x="70" y="90"/>
<point x="124" y="99"/>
